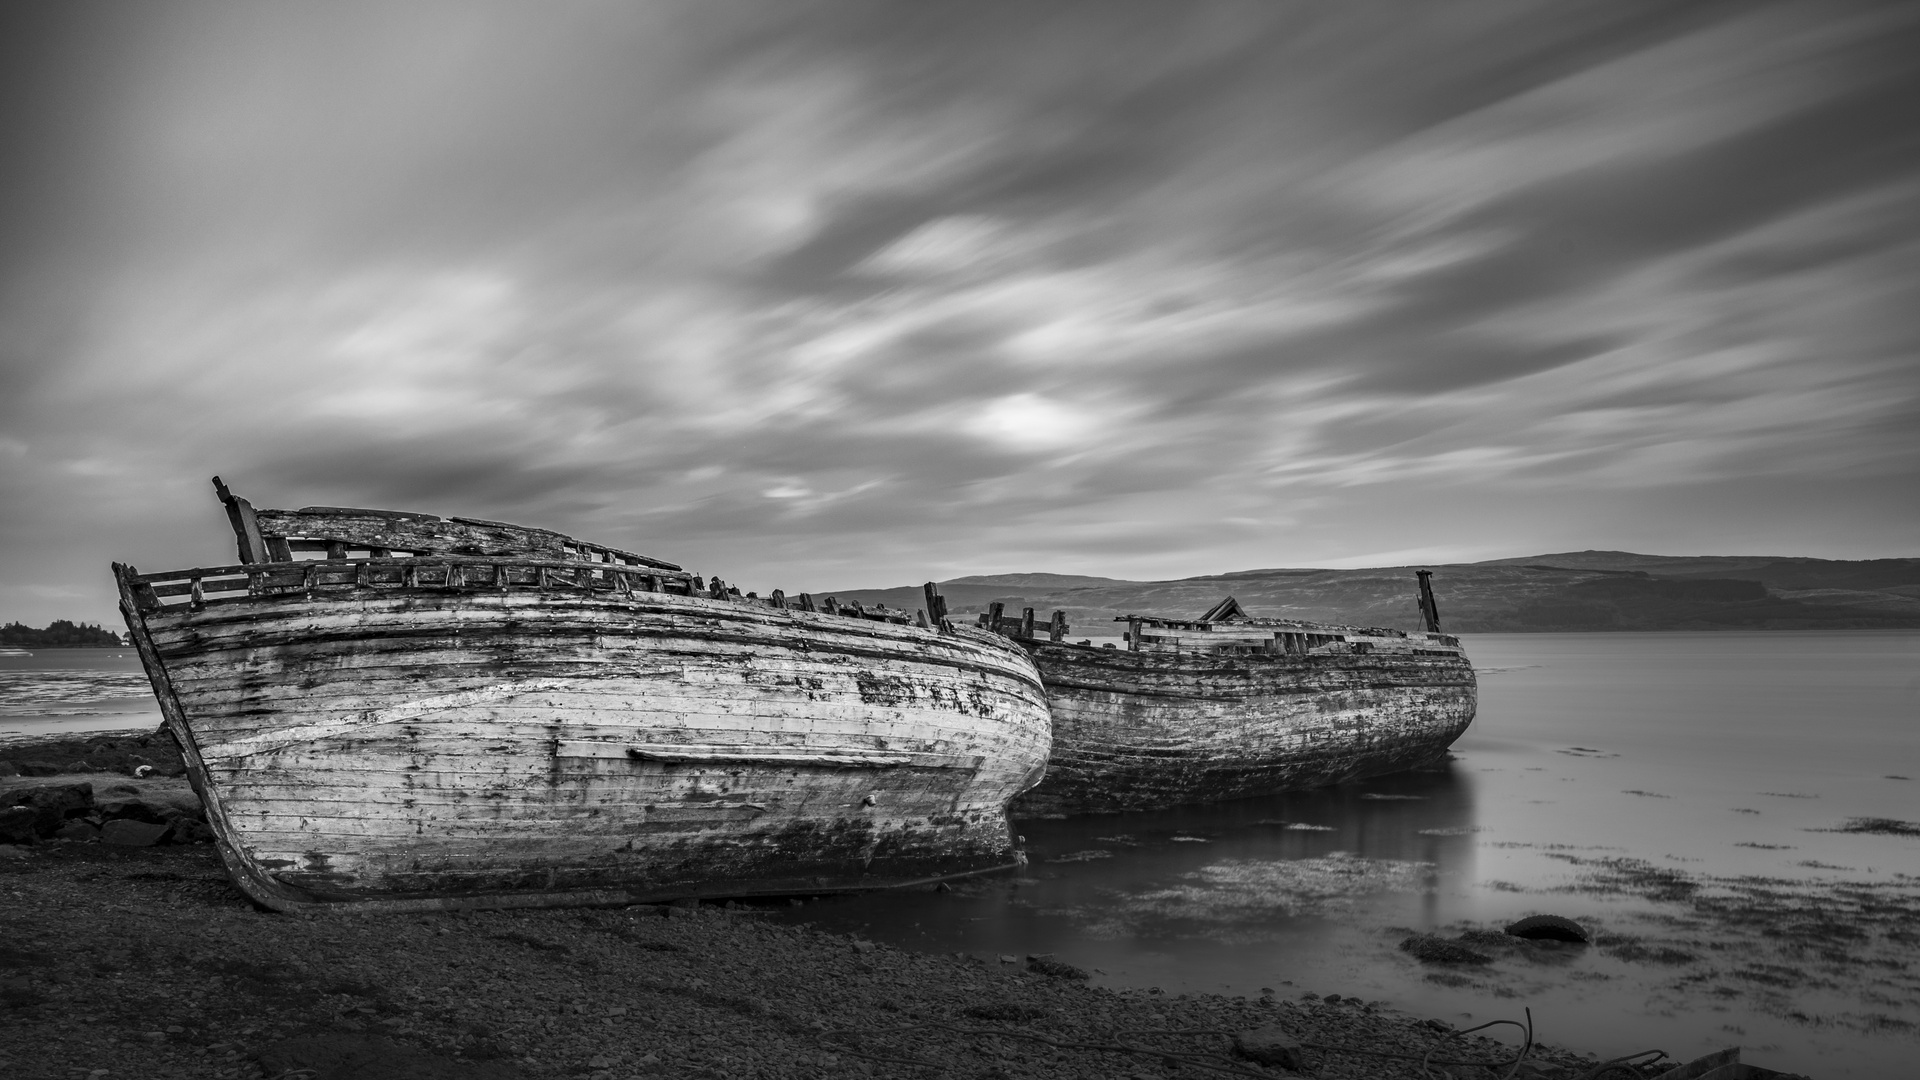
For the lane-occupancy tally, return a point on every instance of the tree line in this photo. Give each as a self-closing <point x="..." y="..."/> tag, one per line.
<point x="58" y="633"/>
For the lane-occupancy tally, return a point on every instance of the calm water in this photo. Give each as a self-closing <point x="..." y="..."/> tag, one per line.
<point x="1671" y="791"/>
<point x="51" y="691"/>
<point x="1667" y="790"/>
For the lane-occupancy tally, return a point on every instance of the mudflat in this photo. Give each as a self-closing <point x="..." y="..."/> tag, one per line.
<point x="146" y="962"/>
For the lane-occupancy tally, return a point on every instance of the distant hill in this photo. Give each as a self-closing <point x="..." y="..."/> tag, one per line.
<point x="1569" y="591"/>
<point x="59" y="634"/>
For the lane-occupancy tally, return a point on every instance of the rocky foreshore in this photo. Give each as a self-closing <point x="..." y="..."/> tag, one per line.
<point x="119" y="960"/>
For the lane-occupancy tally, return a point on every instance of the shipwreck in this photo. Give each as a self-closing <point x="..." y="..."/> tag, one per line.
<point x="397" y="711"/>
<point x="1226" y="706"/>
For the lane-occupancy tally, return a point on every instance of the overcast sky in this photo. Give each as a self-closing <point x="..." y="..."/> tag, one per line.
<point x="820" y="295"/>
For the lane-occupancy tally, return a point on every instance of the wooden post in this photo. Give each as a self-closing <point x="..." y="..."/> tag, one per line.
<point x="246" y="527"/>
<point x="994" y="611"/>
<point x="1057" y="629"/>
<point x="936" y="607"/>
<point x="1026" y="624"/>
<point x="779" y="599"/>
<point x="920" y="619"/>
<point x="1429" y="611"/>
<point x="806" y="602"/>
<point x="1133" y="635"/>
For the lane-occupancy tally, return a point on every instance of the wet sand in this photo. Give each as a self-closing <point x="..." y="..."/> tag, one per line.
<point x="147" y="963"/>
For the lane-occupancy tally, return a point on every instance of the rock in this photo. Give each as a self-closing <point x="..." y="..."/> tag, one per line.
<point x="192" y="831"/>
<point x="1429" y="949"/>
<point x="19" y="825"/>
<point x="1548" y="928"/>
<point x="1008" y="958"/>
<point x="77" y="831"/>
<point x="38" y="768"/>
<point x="52" y="804"/>
<point x="135" y="808"/>
<point x="126" y="832"/>
<point x="1270" y="1045"/>
<point x="1047" y="965"/>
<point x="863" y="946"/>
<point x="1532" y="1069"/>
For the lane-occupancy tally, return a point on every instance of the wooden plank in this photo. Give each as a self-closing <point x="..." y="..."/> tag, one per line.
<point x="729" y="754"/>
<point x="393" y="730"/>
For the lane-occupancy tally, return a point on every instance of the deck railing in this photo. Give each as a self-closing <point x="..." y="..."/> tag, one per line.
<point x="200" y="586"/>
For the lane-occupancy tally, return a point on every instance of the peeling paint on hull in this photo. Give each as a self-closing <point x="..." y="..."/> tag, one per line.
<point x="1148" y="730"/>
<point x="413" y="748"/>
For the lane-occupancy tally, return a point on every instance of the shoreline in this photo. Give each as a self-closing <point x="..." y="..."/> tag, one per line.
<point x="146" y="962"/>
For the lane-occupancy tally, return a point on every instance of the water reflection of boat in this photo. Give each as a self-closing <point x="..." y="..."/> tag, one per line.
<point x="1226" y="706"/>
<point x="407" y="712"/>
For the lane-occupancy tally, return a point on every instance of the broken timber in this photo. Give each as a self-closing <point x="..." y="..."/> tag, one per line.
<point x="1226" y="706"/>
<point x="451" y="713"/>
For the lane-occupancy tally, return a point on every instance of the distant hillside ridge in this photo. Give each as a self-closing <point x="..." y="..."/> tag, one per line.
<point x="1564" y="592"/>
<point x="59" y="634"/>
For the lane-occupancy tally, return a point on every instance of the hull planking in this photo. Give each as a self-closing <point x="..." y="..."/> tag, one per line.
<point x="495" y="736"/>
<point x="1143" y="730"/>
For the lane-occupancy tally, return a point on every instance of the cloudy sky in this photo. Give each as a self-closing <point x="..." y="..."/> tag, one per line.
<point x="833" y="294"/>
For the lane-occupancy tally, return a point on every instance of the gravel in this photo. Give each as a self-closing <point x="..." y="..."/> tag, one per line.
<point x="145" y="963"/>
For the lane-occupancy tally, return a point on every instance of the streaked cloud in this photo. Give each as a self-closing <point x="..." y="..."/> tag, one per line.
<point x="845" y="294"/>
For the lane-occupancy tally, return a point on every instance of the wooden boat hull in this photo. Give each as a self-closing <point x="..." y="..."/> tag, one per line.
<point x="1148" y="730"/>
<point x="429" y="747"/>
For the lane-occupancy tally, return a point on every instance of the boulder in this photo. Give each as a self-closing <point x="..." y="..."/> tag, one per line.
<point x="19" y="825"/>
<point x="52" y="804"/>
<point x="38" y="768"/>
<point x="192" y="831"/>
<point x="1270" y="1045"/>
<point x="126" y="832"/>
<point x="135" y="808"/>
<point x="1548" y="928"/>
<point x="1059" y="969"/>
<point x="76" y="830"/>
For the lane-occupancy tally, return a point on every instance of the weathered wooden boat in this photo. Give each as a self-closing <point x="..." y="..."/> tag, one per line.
<point x="403" y="712"/>
<point x="1226" y="706"/>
